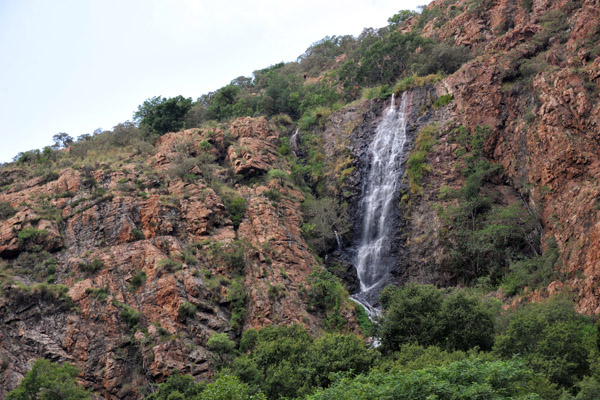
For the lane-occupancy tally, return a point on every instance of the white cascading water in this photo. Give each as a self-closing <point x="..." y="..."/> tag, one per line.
<point x="294" y="141"/>
<point x="379" y="197"/>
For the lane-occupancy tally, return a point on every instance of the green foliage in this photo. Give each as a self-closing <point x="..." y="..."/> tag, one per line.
<point x="413" y="81"/>
<point x="322" y="218"/>
<point x="228" y="387"/>
<point x="467" y="379"/>
<point x="6" y="210"/>
<point x="417" y="161"/>
<point x="236" y="296"/>
<point x="130" y="316"/>
<point x="485" y="238"/>
<point x="186" y="310"/>
<point x="443" y="101"/>
<point x="168" y="265"/>
<point x="424" y="315"/>
<point x="137" y="280"/>
<point x="61" y="140"/>
<point x="235" y="257"/>
<point x="363" y="320"/>
<point x="222" y="347"/>
<point x="36" y="264"/>
<point x="100" y="294"/>
<point x="395" y="20"/>
<point x="48" y="381"/>
<point x="326" y="294"/>
<point x="236" y="207"/>
<point x="177" y="386"/>
<point x="551" y="337"/>
<point x="163" y="115"/>
<point x="273" y="195"/>
<point x="29" y="236"/>
<point x="278" y="175"/>
<point x="287" y="362"/>
<point x="535" y="272"/>
<point x="92" y="267"/>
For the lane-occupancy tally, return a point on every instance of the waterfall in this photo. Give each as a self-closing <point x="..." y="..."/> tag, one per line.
<point x="294" y="141"/>
<point x="337" y="239"/>
<point x="372" y="261"/>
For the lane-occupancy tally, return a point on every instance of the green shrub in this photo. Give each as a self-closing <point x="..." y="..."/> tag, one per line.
<point x="163" y="115"/>
<point x="137" y="280"/>
<point x="326" y="294"/>
<point x="322" y="218"/>
<point x="6" y="210"/>
<point x="228" y="387"/>
<point x="31" y="235"/>
<point x="471" y="378"/>
<point x="286" y="362"/>
<point x="92" y="267"/>
<point x="236" y="295"/>
<point x="417" y="160"/>
<point x="130" y="316"/>
<point x="363" y="320"/>
<point x="422" y="314"/>
<point x="186" y="310"/>
<point x="551" y="337"/>
<point x="137" y="234"/>
<point x="99" y="294"/>
<point x="177" y="387"/>
<point x="443" y="101"/>
<point x="535" y="272"/>
<point x="273" y="195"/>
<point x="222" y="347"/>
<point x="235" y="257"/>
<point x="49" y="381"/>
<point x="236" y="207"/>
<point x="168" y="265"/>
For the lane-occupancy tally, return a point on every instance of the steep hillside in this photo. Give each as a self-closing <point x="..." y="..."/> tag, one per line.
<point x="535" y="83"/>
<point x="126" y="251"/>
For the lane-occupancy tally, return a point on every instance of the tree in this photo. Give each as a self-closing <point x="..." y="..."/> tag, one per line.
<point x="221" y="346"/>
<point x="229" y="387"/>
<point x="423" y="314"/>
<point x="551" y="336"/>
<point x="61" y="141"/>
<point x="163" y="115"/>
<point x="177" y="387"/>
<point x="48" y="381"/>
<point x="471" y="378"/>
<point x="395" y="20"/>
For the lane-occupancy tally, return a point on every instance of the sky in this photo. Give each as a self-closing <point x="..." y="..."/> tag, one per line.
<point x="77" y="65"/>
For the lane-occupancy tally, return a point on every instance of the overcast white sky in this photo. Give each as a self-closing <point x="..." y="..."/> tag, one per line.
<point x="77" y="65"/>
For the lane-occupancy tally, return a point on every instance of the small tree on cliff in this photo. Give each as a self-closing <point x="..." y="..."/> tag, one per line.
<point x="163" y="115"/>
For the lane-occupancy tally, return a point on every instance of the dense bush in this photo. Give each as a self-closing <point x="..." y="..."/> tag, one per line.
<point x="287" y="362"/>
<point x="425" y="315"/>
<point x="468" y="379"/>
<point x="48" y="381"/>
<point x="483" y="238"/>
<point x="416" y="165"/>
<point x="184" y="387"/>
<point x="6" y="210"/>
<point x="551" y="337"/>
<point x="322" y="219"/>
<point x="163" y="115"/>
<point x="235" y="205"/>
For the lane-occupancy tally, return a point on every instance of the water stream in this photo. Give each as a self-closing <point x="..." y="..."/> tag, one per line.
<point x="294" y="141"/>
<point x="373" y="257"/>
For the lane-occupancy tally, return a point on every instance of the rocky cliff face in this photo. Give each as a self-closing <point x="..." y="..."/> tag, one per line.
<point x="535" y="83"/>
<point x="126" y="266"/>
<point x="136" y="265"/>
